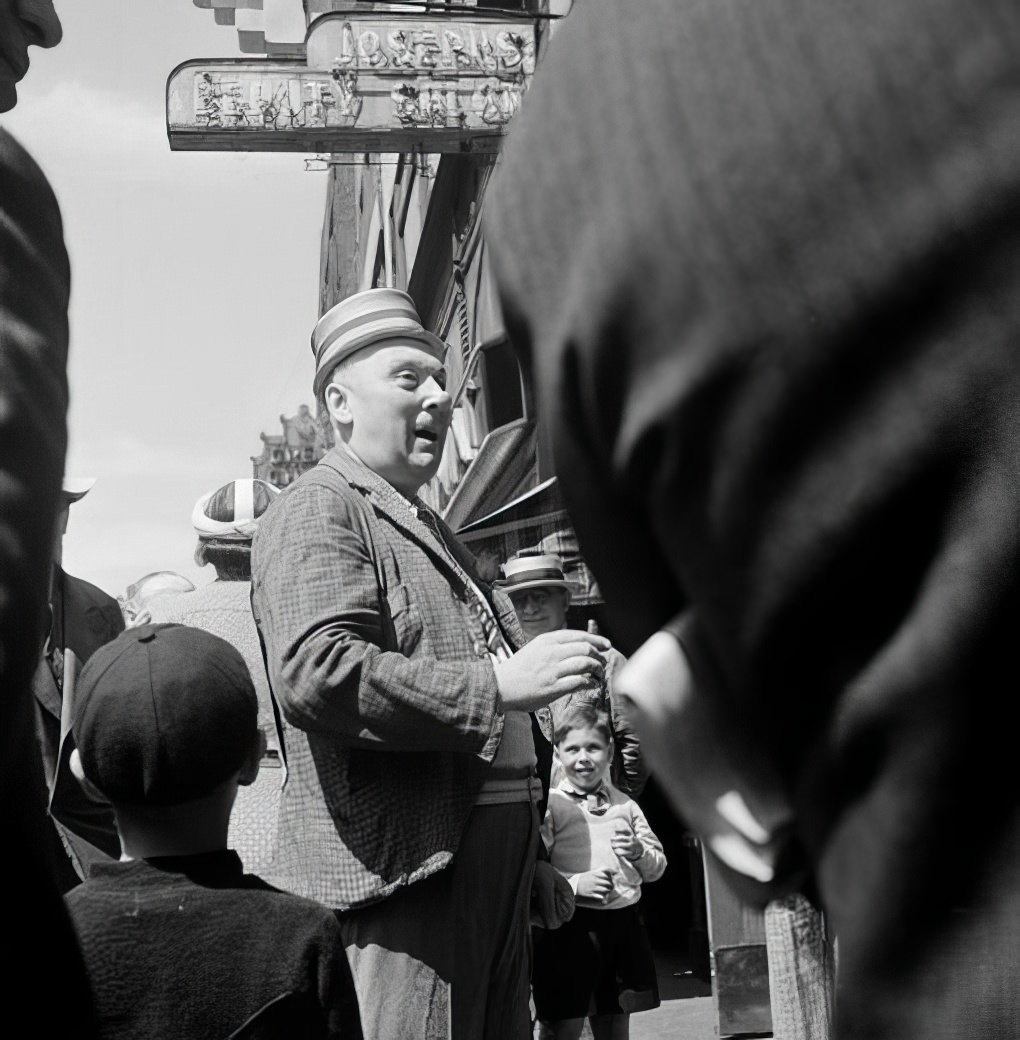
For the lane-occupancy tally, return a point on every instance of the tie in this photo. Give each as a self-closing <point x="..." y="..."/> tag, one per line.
<point x="494" y="641"/>
<point x="595" y="802"/>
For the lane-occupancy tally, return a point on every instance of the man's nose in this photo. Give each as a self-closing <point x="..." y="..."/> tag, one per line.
<point x="40" y="14"/>
<point x="437" y="399"/>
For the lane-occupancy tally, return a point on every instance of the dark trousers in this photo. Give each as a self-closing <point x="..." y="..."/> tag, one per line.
<point x="450" y="956"/>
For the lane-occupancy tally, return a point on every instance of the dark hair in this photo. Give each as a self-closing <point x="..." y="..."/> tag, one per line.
<point x="231" y="560"/>
<point x="583" y="715"/>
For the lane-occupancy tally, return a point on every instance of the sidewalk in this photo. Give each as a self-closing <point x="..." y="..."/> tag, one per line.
<point x="687" y="1011"/>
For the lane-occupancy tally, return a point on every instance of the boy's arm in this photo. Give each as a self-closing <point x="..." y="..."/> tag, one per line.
<point x="651" y="864"/>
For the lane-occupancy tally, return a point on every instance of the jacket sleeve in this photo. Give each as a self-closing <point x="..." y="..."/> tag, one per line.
<point x="332" y="639"/>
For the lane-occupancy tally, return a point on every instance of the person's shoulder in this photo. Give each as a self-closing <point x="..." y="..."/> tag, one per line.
<point x="21" y="175"/>
<point x="621" y="798"/>
<point x="99" y="609"/>
<point x="559" y="800"/>
<point x="288" y="904"/>
<point x="306" y="494"/>
<point x="85" y="590"/>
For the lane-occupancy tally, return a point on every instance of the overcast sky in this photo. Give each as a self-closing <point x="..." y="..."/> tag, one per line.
<point x="194" y="283"/>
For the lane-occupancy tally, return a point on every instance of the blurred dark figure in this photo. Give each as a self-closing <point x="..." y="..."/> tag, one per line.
<point x="764" y="263"/>
<point x="34" y="288"/>
<point x="82" y="619"/>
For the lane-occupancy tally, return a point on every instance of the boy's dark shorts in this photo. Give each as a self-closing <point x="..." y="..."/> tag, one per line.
<point x="598" y="963"/>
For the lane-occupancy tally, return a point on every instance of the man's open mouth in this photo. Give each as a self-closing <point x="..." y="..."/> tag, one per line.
<point x="426" y="435"/>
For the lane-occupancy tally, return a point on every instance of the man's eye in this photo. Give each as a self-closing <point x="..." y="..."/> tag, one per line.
<point x="409" y="378"/>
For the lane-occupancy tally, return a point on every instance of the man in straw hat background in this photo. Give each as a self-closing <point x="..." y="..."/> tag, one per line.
<point x="413" y="766"/>
<point x="538" y="588"/>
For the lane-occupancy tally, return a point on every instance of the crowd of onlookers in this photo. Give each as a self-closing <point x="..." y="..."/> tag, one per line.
<point x="762" y="278"/>
<point x="175" y="746"/>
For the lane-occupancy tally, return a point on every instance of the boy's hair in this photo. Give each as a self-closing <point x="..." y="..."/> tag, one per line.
<point x="583" y="715"/>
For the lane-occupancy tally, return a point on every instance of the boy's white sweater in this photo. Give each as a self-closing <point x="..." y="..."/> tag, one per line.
<point x="578" y="839"/>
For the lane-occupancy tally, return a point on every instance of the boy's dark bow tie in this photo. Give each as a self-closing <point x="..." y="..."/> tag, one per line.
<point x="596" y="802"/>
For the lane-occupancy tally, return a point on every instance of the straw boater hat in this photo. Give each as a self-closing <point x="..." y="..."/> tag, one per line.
<point x="361" y="320"/>
<point x="231" y="513"/>
<point x="533" y="571"/>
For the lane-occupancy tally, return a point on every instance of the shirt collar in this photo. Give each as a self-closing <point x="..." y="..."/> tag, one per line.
<point x="596" y="802"/>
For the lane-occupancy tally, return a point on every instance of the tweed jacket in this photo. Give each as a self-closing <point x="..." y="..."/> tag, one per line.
<point x="380" y="667"/>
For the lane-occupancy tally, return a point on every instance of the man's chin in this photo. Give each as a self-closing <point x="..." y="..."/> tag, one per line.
<point x="424" y="466"/>
<point x="8" y="95"/>
<point x="426" y="463"/>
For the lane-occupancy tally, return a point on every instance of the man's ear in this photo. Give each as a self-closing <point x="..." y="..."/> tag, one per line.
<point x="338" y="405"/>
<point x="74" y="762"/>
<point x="250" y="769"/>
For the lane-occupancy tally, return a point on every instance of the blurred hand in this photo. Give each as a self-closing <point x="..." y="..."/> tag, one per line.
<point x="551" y="666"/>
<point x="688" y="754"/>
<point x="595" y="884"/>
<point x="626" y="844"/>
<point x="552" y="899"/>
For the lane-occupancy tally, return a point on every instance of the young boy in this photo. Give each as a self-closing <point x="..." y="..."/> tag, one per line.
<point x="179" y="941"/>
<point x="599" y="963"/>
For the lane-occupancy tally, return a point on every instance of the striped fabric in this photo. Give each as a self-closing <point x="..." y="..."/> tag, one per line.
<point x="231" y="511"/>
<point x="361" y="320"/>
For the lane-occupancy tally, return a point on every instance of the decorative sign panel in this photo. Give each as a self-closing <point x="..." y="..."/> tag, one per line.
<point x="370" y="84"/>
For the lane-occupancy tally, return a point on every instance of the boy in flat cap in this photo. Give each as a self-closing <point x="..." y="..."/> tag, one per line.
<point x="178" y="940"/>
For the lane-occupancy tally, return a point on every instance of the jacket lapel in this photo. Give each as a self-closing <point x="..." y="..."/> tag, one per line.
<point x="389" y="503"/>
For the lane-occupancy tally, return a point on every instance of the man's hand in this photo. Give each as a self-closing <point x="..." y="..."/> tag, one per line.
<point x="550" y="666"/>
<point x="626" y="844"/>
<point x="552" y="899"/>
<point x="690" y="756"/>
<point x="595" y="884"/>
